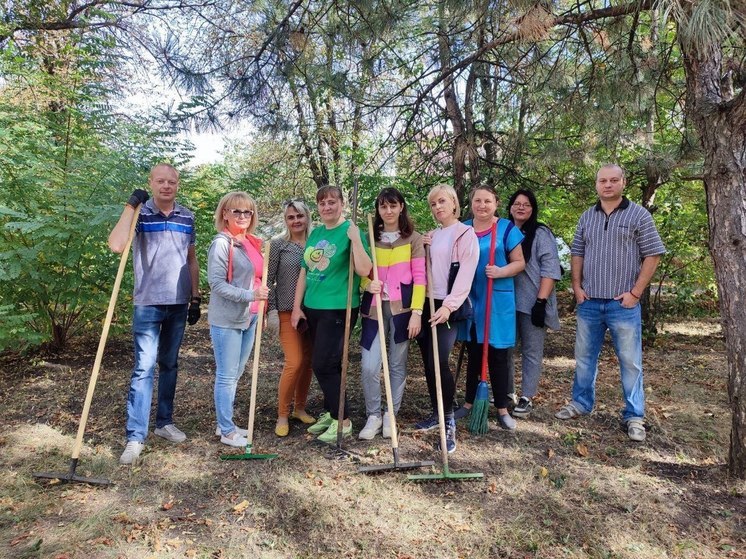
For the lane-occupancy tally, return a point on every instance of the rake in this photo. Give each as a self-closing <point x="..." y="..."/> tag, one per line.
<point x="387" y="382"/>
<point x="70" y="476"/>
<point x="445" y="473"/>
<point x="248" y="454"/>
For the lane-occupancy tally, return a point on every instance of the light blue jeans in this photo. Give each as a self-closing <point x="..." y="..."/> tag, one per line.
<point x="372" y="361"/>
<point x="232" y="348"/>
<point x="595" y="316"/>
<point x="157" y="331"/>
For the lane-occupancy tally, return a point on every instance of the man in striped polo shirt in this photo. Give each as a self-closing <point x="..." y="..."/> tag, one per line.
<point x="166" y="296"/>
<point x="615" y="252"/>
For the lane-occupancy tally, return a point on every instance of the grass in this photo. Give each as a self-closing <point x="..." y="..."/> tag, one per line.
<point x="552" y="489"/>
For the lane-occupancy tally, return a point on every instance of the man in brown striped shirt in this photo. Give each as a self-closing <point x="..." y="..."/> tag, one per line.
<point x="615" y="252"/>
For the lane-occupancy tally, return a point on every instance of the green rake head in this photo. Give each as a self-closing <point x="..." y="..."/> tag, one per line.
<point x="248" y="455"/>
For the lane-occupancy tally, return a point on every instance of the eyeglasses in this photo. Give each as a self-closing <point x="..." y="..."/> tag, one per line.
<point x="242" y="213"/>
<point x="517" y="205"/>
<point x="291" y="202"/>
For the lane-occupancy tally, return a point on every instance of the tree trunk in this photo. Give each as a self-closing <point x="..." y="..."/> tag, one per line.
<point x="459" y="150"/>
<point x="720" y="119"/>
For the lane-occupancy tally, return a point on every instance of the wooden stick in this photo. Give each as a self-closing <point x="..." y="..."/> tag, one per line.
<point x="257" y="348"/>
<point x="436" y="363"/>
<point x="382" y="341"/>
<point x="348" y="328"/>
<point x="104" y="335"/>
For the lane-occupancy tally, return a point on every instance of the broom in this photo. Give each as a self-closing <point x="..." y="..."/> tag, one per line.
<point x="478" y="424"/>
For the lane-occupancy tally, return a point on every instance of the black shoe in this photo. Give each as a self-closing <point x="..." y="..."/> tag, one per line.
<point x="427" y="424"/>
<point x="524" y="407"/>
<point x="461" y="413"/>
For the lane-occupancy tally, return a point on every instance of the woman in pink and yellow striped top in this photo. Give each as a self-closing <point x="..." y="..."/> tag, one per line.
<point x="400" y="257"/>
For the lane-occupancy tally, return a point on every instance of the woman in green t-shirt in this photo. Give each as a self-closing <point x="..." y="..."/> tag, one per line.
<point x="321" y="301"/>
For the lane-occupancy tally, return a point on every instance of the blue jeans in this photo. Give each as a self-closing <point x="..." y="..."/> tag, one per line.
<point x="232" y="348"/>
<point x="371" y="362"/>
<point x="158" y="331"/>
<point x="595" y="316"/>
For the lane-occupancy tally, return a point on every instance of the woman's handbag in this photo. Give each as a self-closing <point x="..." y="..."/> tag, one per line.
<point x="465" y="311"/>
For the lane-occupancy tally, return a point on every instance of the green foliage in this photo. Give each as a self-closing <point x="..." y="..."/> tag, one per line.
<point x="66" y="166"/>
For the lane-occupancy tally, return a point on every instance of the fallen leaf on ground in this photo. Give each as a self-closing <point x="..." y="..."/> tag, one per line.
<point x="582" y="450"/>
<point x="242" y="506"/>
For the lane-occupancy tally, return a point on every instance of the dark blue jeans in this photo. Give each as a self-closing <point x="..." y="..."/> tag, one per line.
<point x="158" y="331"/>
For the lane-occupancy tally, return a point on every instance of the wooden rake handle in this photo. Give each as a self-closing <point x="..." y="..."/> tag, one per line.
<point x="382" y="339"/>
<point x="257" y="347"/>
<point x="436" y="362"/>
<point x="104" y="335"/>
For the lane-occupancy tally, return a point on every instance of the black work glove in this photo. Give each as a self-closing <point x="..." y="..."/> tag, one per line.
<point x="194" y="313"/>
<point x="138" y="196"/>
<point x="539" y="313"/>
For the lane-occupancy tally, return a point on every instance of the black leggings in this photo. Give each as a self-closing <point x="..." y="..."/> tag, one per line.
<point x="497" y="365"/>
<point x="446" y="338"/>
<point x="327" y="329"/>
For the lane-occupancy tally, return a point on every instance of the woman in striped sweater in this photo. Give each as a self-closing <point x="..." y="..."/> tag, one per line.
<point x="401" y="283"/>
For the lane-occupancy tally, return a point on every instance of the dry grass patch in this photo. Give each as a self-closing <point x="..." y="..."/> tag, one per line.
<point x="552" y="489"/>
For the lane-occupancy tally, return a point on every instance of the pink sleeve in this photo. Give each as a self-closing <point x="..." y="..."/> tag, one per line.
<point x="467" y="254"/>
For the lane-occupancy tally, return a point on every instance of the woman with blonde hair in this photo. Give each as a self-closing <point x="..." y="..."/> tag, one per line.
<point x="285" y="256"/>
<point x="454" y="252"/>
<point x="234" y="270"/>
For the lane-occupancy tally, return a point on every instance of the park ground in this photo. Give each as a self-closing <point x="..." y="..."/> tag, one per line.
<point x="577" y="489"/>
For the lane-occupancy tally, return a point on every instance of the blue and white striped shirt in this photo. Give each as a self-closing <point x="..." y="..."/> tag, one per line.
<point x="613" y="247"/>
<point x="160" y="251"/>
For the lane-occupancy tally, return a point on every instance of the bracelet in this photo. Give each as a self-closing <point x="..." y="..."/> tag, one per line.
<point x="633" y="295"/>
<point x="196" y="299"/>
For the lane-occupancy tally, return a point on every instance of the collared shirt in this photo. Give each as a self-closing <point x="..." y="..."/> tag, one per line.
<point x="160" y="251"/>
<point x="613" y="247"/>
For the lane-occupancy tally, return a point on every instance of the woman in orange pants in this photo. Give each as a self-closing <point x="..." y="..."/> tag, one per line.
<point x="285" y="256"/>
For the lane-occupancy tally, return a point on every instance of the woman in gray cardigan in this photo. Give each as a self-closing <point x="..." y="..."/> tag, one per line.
<point x="234" y="270"/>
<point x="536" y="300"/>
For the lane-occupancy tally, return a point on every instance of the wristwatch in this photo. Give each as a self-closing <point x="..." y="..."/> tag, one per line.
<point x="418" y="312"/>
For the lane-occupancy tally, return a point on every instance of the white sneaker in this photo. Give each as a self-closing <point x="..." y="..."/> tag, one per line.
<point x="234" y="439"/>
<point x="131" y="452"/>
<point x="386" y="426"/>
<point x="242" y="432"/>
<point x="371" y="429"/>
<point x="171" y="433"/>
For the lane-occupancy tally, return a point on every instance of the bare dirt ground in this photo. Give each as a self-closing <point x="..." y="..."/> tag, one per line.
<point x="551" y="489"/>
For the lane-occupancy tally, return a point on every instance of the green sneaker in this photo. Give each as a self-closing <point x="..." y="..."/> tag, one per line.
<point x="330" y="435"/>
<point x="322" y="424"/>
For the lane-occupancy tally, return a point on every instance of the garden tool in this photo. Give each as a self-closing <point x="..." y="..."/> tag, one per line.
<point x="445" y="473"/>
<point x="70" y="476"/>
<point x="478" y="420"/>
<point x="386" y="381"/>
<point x="248" y="454"/>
